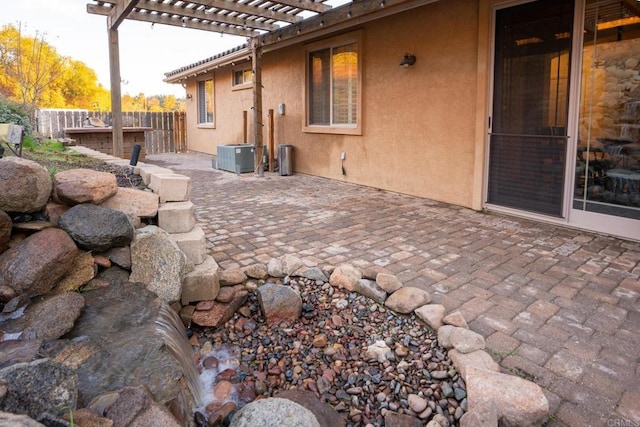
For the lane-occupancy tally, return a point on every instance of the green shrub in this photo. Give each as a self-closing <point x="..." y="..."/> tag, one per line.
<point x="11" y="112"/>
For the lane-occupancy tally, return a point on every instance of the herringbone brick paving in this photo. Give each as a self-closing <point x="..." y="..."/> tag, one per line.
<point x="555" y="305"/>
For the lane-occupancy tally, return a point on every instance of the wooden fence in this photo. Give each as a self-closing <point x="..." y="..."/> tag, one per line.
<point x="169" y="133"/>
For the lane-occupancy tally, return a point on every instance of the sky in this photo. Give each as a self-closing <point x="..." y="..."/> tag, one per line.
<point x="146" y="53"/>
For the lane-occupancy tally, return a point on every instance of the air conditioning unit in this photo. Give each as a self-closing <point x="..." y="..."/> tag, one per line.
<point x="236" y="158"/>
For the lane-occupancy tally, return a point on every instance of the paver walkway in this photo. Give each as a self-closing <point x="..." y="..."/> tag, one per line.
<point x="558" y="306"/>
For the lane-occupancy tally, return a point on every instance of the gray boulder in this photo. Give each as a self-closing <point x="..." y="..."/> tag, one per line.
<point x="157" y="262"/>
<point x="279" y="302"/>
<point x="77" y="186"/>
<point x="13" y="420"/>
<point x="274" y="412"/>
<point x="26" y="185"/>
<point x="35" y="265"/>
<point x="370" y="289"/>
<point x="42" y="389"/>
<point x="97" y="228"/>
<point x="48" y="318"/>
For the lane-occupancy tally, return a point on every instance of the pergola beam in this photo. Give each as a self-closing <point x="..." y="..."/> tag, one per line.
<point x="179" y="21"/>
<point x="228" y="5"/>
<point x="119" y="13"/>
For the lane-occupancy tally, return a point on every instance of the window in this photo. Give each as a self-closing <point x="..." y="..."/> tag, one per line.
<point x="242" y="77"/>
<point x="205" y="102"/>
<point x="333" y="87"/>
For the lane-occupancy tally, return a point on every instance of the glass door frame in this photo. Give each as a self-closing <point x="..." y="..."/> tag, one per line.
<point x="593" y="221"/>
<point x="601" y="223"/>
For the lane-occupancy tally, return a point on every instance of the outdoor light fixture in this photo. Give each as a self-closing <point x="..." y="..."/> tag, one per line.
<point x="409" y="59"/>
<point x="189" y="96"/>
<point x="184" y="22"/>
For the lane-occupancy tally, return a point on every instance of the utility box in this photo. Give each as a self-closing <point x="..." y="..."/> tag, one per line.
<point x="236" y="158"/>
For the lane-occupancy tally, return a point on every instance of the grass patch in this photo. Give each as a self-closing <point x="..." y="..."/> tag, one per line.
<point x="54" y="156"/>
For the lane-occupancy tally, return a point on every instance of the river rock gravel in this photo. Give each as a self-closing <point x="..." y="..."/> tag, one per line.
<point x="325" y="352"/>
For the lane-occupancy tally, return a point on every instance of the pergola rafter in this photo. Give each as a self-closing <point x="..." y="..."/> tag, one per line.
<point x="247" y="18"/>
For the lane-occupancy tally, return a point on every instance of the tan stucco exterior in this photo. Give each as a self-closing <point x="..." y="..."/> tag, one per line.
<point x="419" y="133"/>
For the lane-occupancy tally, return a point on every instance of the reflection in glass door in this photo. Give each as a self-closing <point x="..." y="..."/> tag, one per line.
<point x="528" y="133"/>
<point x="608" y="152"/>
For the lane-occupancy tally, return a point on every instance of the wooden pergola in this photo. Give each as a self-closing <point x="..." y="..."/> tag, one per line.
<point x="266" y="23"/>
<point x="247" y="18"/>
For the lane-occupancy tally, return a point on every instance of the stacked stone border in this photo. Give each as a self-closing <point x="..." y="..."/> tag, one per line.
<point x="492" y="396"/>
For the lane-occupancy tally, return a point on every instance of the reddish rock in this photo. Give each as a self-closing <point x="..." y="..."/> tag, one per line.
<point x="219" y="312"/>
<point x="204" y="305"/>
<point x="30" y="185"/>
<point x="101" y="261"/>
<point x="136" y="204"/>
<point x="53" y="211"/>
<point x="5" y="230"/>
<point x="227" y="375"/>
<point x="279" y="302"/>
<point x="77" y="186"/>
<point x="222" y="391"/>
<point x="226" y="294"/>
<point x="35" y="265"/>
<point x="81" y="272"/>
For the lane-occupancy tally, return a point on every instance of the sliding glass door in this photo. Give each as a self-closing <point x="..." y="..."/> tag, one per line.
<point x="528" y="129"/>
<point x="608" y="150"/>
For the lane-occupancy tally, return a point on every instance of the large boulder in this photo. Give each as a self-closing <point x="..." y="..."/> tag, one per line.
<point x="126" y="336"/>
<point x="76" y="186"/>
<point x="279" y="302"/>
<point x="135" y="407"/>
<point x="36" y="264"/>
<point x="26" y="186"/>
<point x="519" y="402"/>
<point x="97" y="228"/>
<point x="324" y="413"/>
<point x="41" y="389"/>
<point x="47" y="318"/>
<point x="5" y="230"/>
<point x="158" y="262"/>
<point x="137" y="204"/>
<point x="274" y="412"/>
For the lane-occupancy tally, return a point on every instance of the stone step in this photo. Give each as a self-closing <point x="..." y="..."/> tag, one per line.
<point x="193" y="245"/>
<point x="145" y="171"/>
<point x="202" y="284"/>
<point x="176" y="217"/>
<point x="171" y="187"/>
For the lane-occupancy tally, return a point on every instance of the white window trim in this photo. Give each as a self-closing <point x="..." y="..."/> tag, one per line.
<point x="353" y="37"/>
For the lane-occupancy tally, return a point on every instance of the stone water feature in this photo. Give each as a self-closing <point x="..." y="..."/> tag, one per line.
<point x="120" y="362"/>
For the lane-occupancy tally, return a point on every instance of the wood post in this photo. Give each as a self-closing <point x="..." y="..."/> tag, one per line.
<point x="116" y="100"/>
<point x="245" y="127"/>
<point x="271" y="142"/>
<point x="256" y="64"/>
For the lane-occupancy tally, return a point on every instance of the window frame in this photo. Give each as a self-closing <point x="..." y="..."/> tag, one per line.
<point x="332" y="128"/>
<point x="200" y="89"/>
<point x="246" y="84"/>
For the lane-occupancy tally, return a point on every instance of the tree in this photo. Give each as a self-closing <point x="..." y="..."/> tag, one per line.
<point x="30" y="65"/>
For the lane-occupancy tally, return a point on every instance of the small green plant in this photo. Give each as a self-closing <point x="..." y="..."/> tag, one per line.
<point x="500" y="355"/>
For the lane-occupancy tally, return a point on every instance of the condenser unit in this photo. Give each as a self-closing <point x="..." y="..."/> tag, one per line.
<point x="236" y="158"/>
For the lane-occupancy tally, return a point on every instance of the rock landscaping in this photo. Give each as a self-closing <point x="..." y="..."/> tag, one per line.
<point x="301" y="343"/>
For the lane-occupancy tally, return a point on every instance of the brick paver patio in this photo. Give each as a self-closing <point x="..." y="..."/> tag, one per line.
<point x="558" y="306"/>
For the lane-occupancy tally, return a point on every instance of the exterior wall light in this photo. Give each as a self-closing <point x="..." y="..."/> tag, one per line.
<point x="409" y="59"/>
<point x="189" y="96"/>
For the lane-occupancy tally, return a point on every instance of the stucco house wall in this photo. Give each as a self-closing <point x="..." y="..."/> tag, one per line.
<point x="418" y="123"/>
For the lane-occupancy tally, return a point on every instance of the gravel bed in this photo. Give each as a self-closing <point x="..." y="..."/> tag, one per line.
<point x="325" y="352"/>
